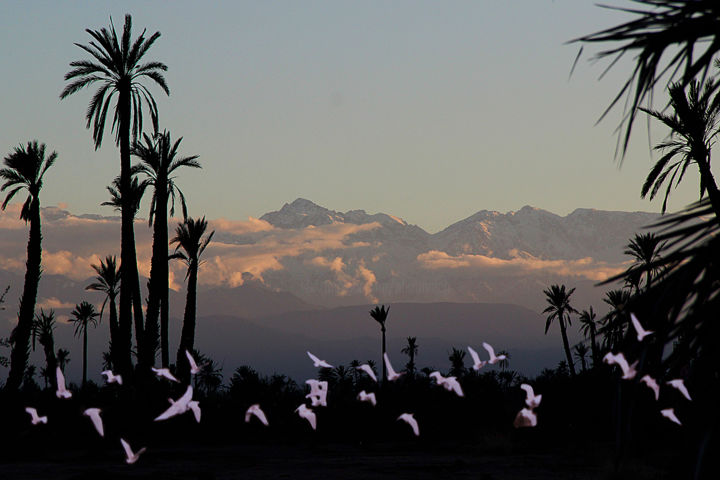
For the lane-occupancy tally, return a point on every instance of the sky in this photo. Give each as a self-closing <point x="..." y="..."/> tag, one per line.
<point x="430" y="111"/>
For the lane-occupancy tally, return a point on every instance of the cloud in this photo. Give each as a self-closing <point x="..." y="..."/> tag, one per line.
<point x="521" y="263"/>
<point x="53" y="303"/>
<point x="252" y="225"/>
<point x="369" y="277"/>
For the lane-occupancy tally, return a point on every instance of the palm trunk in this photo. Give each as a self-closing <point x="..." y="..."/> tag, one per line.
<point x="384" y="370"/>
<point x="708" y="181"/>
<point x="21" y="333"/>
<point x="593" y="345"/>
<point x="157" y="273"/>
<point x="567" y="348"/>
<point x="126" y="239"/>
<point x="50" y="361"/>
<point x="115" y="353"/>
<point x="84" y="381"/>
<point x="187" y="338"/>
<point x="137" y="308"/>
<point x="164" y="285"/>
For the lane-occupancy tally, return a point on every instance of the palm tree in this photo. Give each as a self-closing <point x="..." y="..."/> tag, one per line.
<point x="107" y="282"/>
<point x="209" y="378"/>
<point x="457" y="362"/>
<point x="581" y="351"/>
<point x="24" y="170"/>
<point x="190" y="236"/>
<point x="116" y="66"/>
<point x="505" y="362"/>
<point x="134" y="196"/>
<point x="42" y="329"/>
<point x="677" y="26"/>
<point x="63" y="358"/>
<point x="380" y="315"/>
<point x="615" y="321"/>
<point x="559" y="308"/>
<point x="645" y="249"/>
<point x="588" y="327"/>
<point x="411" y="349"/>
<point x="159" y="162"/>
<point x="84" y="316"/>
<point x="693" y="127"/>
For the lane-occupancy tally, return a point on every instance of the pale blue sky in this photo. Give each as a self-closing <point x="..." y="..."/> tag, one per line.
<point x="423" y="109"/>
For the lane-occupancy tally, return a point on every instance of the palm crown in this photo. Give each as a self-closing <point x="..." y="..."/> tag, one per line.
<point x="25" y="168"/>
<point x="189" y="237"/>
<point x="107" y="280"/>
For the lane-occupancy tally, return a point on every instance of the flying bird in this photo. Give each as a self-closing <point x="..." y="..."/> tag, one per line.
<point x="410" y="420"/>
<point x="255" y="410"/>
<point x="525" y="418"/>
<point x="62" y="392"/>
<point x="652" y="385"/>
<point x="318" y="392"/>
<point x="165" y="373"/>
<point x="629" y="371"/>
<point x="450" y="384"/>
<point x="194" y="368"/>
<point x="112" y="378"/>
<point x="367" y="397"/>
<point x="131" y="457"/>
<point x="669" y="413"/>
<point x="194" y="405"/>
<point x="680" y="385"/>
<point x="307" y="414"/>
<point x="317" y="362"/>
<point x="531" y="400"/>
<point x="641" y="332"/>
<point x="477" y="363"/>
<point x="392" y="375"/>
<point x="493" y="359"/>
<point x="177" y="407"/>
<point x="34" y="416"/>
<point x="367" y="369"/>
<point x="94" y="414"/>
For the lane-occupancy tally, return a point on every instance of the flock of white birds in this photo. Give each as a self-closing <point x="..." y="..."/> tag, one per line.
<point x="526" y="417"/>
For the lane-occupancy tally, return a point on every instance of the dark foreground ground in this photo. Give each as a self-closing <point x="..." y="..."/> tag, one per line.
<point x="416" y="462"/>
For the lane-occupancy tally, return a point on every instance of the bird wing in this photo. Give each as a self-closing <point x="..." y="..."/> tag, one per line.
<point x="315" y="359"/>
<point x="260" y="415"/>
<point x="94" y="415"/>
<point x="475" y="357"/>
<point x="187" y="396"/>
<point x="371" y="397"/>
<point x="32" y="412"/>
<point x="193" y="365"/>
<point x="528" y="390"/>
<point x="366" y="368"/>
<point x="173" y="410"/>
<point x="60" y="379"/>
<point x="489" y="349"/>
<point x="195" y="407"/>
<point x="126" y="446"/>
<point x="387" y="364"/>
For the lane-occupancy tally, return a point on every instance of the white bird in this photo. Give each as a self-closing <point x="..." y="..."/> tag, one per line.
<point x="194" y="367"/>
<point x="680" y="385"/>
<point x="450" y="384"/>
<point x="652" y="384"/>
<point x="367" y="369"/>
<point x="94" y="414"/>
<point x="307" y="414"/>
<point x="669" y="413"/>
<point x="525" y="418"/>
<point x="255" y="410"/>
<point x="493" y="359"/>
<point x="112" y="378"/>
<point x="367" y="397"/>
<point x="317" y="362"/>
<point x="177" y="407"/>
<point x="531" y="400"/>
<point x="34" y="416"/>
<point x="641" y="332"/>
<point x="410" y="420"/>
<point x="629" y="371"/>
<point x="194" y="405"/>
<point x="62" y="392"/>
<point x="131" y="457"/>
<point x="477" y="363"/>
<point x="392" y="375"/>
<point x="165" y="373"/>
<point x="318" y="392"/>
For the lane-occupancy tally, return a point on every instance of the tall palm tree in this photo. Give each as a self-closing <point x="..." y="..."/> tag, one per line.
<point x="117" y="67"/>
<point x="135" y="191"/>
<point x="42" y="329"/>
<point x="24" y="170"/>
<point x="581" y="351"/>
<point x="159" y="160"/>
<point x="84" y="315"/>
<point x="107" y="282"/>
<point x="457" y="362"/>
<point x="645" y="248"/>
<point x="690" y="29"/>
<point x="615" y="321"/>
<point x="411" y="349"/>
<point x="380" y="315"/>
<point x="588" y="327"/>
<point x="190" y="237"/>
<point x="559" y="308"/>
<point x="693" y="128"/>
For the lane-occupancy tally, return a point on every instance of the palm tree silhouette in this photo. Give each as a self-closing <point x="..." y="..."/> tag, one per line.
<point x="581" y="351"/>
<point x="615" y="321"/>
<point x="380" y="315"/>
<point x="116" y="65"/>
<point x="559" y="308"/>
<point x="135" y="191"/>
<point x="678" y="26"/>
<point x="505" y="362"/>
<point x="24" y="170"/>
<point x="693" y="127"/>
<point x="411" y="349"/>
<point x="190" y="237"/>
<point x="457" y="362"/>
<point x="84" y="316"/>
<point x="42" y="329"/>
<point x="107" y="281"/>
<point x="63" y="358"/>
<point x="159" y="162"/>
<point x="645" y="248"/>
<point x="588" y="327"/>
